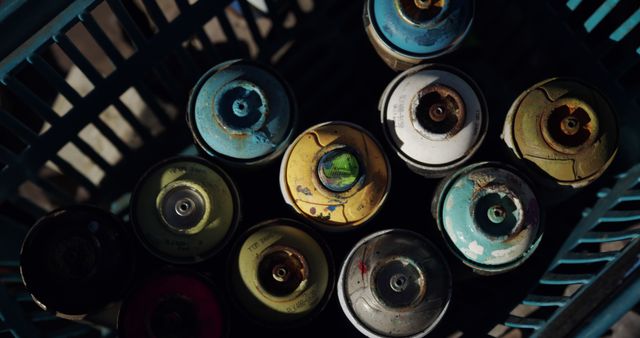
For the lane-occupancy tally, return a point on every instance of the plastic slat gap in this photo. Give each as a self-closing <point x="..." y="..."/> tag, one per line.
<point x="620" y="216"/>
<point x="18" y="128"/>
<point x="31" y="100"/>
<point x="609" y="236"/>
<point x="103" y="128"/>
<point x="151" y="101"/>
<point x="127" y="23"/>
<point x="137" y="126"/>
<point x="69" y="170"/>
<point x="587" y="257"/>
<point x="28" y="206"/>
<point x="523" y="323"/>
<point x="223" y="20"/>
<point x="54" y="78"/>
<point x="247" y="12"/>
<point x="551" y="278"/>
<point x="91" y="153"/>
<point x="540" y="300"/>
<point x="101" y="38"/>
<point x="55" y="192"/>
<point x="78" y="59"/>
<point x="155" y="13"/>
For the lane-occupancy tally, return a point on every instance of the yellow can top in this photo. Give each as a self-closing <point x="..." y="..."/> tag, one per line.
<point x="335" y="174"/>
<point x="567" y="129"/>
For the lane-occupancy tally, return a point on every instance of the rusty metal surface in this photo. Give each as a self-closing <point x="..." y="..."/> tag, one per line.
<point x="565" y="129"/>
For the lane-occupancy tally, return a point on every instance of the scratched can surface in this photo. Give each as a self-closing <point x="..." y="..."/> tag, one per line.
<point x="394" y="283"/>
<point x="184" y="209"/>
<point x="336" y="175"/>
<point x="242" y="113"/>
<point x="565" y="130"/>
<point x="434" y="117"/>
<point x="76" y="260"/>
<point x="173" y="304"/>
<point x="282" y="273"/>
<point x="489" y="216"/>
<point x="407" y="32"/>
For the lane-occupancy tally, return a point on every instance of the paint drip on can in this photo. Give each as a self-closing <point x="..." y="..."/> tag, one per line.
<point x="242" y="113"/>
<point x="407" y="32"/>
<point x="184" y="210"/>
<point x="282" y="273"/>
<point x="434" y="117"/>
<point x="336" y="175"/>
<point x="489" y="217"/>
<point x="394" y="283"/>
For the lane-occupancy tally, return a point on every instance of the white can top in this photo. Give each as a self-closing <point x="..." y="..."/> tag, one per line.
<point x="424" y="145"/>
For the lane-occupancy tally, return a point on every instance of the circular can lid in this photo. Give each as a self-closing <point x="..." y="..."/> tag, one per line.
<point x="565" y="129"/>
<point x="173" y="304"/>
<point x="282" y="272"/>
<point x="489" y="216"/>
<point x="242" y="112"/>
<point x="422" y="28"/>
<point x="394" y="283"/>
<point x="435" y="117"/>
<point x="336" y="175"/>
<point x="76" y="260"/>
<point x="184" y="209"/>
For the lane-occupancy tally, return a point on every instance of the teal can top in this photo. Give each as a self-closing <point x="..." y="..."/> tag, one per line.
<point x="489" y="216"/>
<point x="422" y="28"/>
<point x="242" y="112"/>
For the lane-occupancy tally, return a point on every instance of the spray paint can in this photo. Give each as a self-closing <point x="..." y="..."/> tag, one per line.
<point x="564" y="130"/>
<point x="407" y="32"/>
<point x="281" y="273"/>
<point x="173" y="304"/>
<point x="336" y="175"/>
<point x="242" y="113"/>
<point x="394" y="283"/>
<point x="184" y="210"/>
<point x="76" y="260"/>
<point x="434" y="117"/>
<point x="489" y="217"/>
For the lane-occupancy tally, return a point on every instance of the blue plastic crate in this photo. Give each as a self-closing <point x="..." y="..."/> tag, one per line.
<point x="602" y="36"/>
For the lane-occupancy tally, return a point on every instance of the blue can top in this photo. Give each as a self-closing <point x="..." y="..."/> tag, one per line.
<point x="242" y="111"/>
<point x="491" y="217"/>
<point x="422" y="28"/>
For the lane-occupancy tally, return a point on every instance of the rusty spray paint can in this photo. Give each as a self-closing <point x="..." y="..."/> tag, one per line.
<point x="564" y="130"/>
<point x="184" y="210"/>
<point x="336" y="175"/>
<point x="173" y="303"/>
<point x="407" y="32"/>
<point x="242" y="113"/>
<point x="434" y="117"/>
<point x="282" y="273"/>
<point x="76" y="260"/>
<point x="489" y="217"/>
<point x="394" y="283"/>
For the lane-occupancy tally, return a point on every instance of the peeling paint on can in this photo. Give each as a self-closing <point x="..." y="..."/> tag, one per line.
<point x="489" y="217"/>
<point x="184" y="209"/>
<point x="242" y="113"/>
<point x="565" y="130"/>
<point x="407" y="32"/>
<point x="336" y="175"/>
<point x="282" y="272"/>
<point x="434" y="117"/>
<point x="394" y="283"/>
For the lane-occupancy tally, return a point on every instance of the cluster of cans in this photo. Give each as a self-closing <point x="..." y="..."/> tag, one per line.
<point x="335" y="175"/>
